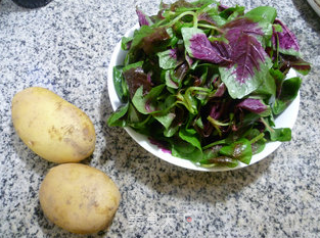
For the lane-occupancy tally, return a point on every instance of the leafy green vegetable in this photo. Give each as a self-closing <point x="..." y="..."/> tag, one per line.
<point x="205" y="81"/>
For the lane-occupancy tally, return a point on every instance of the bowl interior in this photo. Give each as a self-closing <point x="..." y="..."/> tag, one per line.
<point x="286" y="119"/>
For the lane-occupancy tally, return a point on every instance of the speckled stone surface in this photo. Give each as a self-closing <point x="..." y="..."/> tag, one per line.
<point x="66" y="47"/>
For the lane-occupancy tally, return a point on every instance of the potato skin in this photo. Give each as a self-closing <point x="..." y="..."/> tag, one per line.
<point x="79" y="198"/>
<point x="53" y="128"/>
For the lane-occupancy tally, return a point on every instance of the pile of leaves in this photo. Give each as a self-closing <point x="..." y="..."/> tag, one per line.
<point x="206" y="82"/>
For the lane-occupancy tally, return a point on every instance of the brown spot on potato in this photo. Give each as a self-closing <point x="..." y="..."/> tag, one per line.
<point x="59" y="105"/>
<point x="85" y="130"/>
<point x="31" y="143"/>
<point x="67" y="130"/>
<point x="70" y="130"/>
<point x="93" y="202"/>
<point x="78" y="149"/>
<point x="111" y="208"/>
<point x="54" y="133"/>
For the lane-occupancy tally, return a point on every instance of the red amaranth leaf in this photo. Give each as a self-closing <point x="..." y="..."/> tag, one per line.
<point x="250" y="62"/>
<point x="242" y="26"/>
<point x="203" y="49"/>
<point x="136" y="78"/>
<point x="253" y="105"/>
<point x="287" y="40"/>
<point x="247" y="54"/>
<point x="198" y="46"/>
<point x="143" y="18"/>
<point x="155" y="41"/>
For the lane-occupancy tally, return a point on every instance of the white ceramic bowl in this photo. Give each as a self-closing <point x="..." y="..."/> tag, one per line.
<point x="315" y="4"/>
<point x="286" y="119"/>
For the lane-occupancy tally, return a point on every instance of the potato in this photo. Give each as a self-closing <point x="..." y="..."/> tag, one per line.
<point x="53" y="128"/>
<point x="79" y="198"/>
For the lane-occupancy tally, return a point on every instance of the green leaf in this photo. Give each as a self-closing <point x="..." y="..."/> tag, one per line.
<point x="267" y="89"/>
<point x="134" y="117"/>
<point x="182" y="6"/>
<point x="289" y="91"/>
<point x="132" y="66"/>
<point x="265" y="12"/>
<point x="232" y="13"/>
<point x="276" y="134"/>
<point x="219" y="161"/>
<point x="190" y="137"/>
<point x="171" y="131"/>
<point x="256" y="139"/>
<point x="139" y="34"/>
<point x="125" y="42"/>
<point x="240" y="150"/>
<point x="189" y="101"/>
<point x="166" y="119"/>
<point x="239" y="89"/>
<point x="278" y="106"/>
<point x="169" y="80"/>
<point x="187" y="34"/>
<point x="168" y="59"/>
<point x="211" y="15"/>
<point x="185" y="150"/>
<point x="119" y="83"/>
<point x="146" y="104"/>
<point x="116" y="119"/>
<point x="280" y="134"/>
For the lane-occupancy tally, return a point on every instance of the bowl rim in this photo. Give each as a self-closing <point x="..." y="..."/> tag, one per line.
<point x="315" y="6"/>
<point x="281" y="121"/>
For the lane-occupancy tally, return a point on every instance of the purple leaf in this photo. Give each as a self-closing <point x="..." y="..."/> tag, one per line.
<point x="215" y="111"/>
<point x="247" y="55"/>
<point x="198" y="46"/>
<point x="189" y="60"/>
<point x="143" y="18"/>
<point x="173" y="53"/>
<point x="247" y="52"/>
<point x="287" y="40"/>
<point x="157" y="38"/>
<point x="168" y="59"/>
<point x="202" y="49"/>
<point x="206" y="18"/>
<point x="220" y="90"/>
<point x="290" y="61"/>
<point x="250" y="62"/>
<point x="181" y="71"/>
<point x="242" y="26"/>
<point x="218" y="110"/>
<point x="136" y="78"/>
<point x="253" y="105"/>
<point x="161" y="145"/>
<point x="222" y="7"/>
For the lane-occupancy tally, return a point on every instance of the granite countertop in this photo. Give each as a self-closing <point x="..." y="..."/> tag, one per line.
<point x="66" y="47"/>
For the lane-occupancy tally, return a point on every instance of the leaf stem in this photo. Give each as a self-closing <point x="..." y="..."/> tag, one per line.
<point x="195" y="20"/>
<point x="219" y="142"/>
<point x="216" y="124"/>
<point x="257" y="138"/>
<point x="266" y="124"/>
<point x="211" y="27"/>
